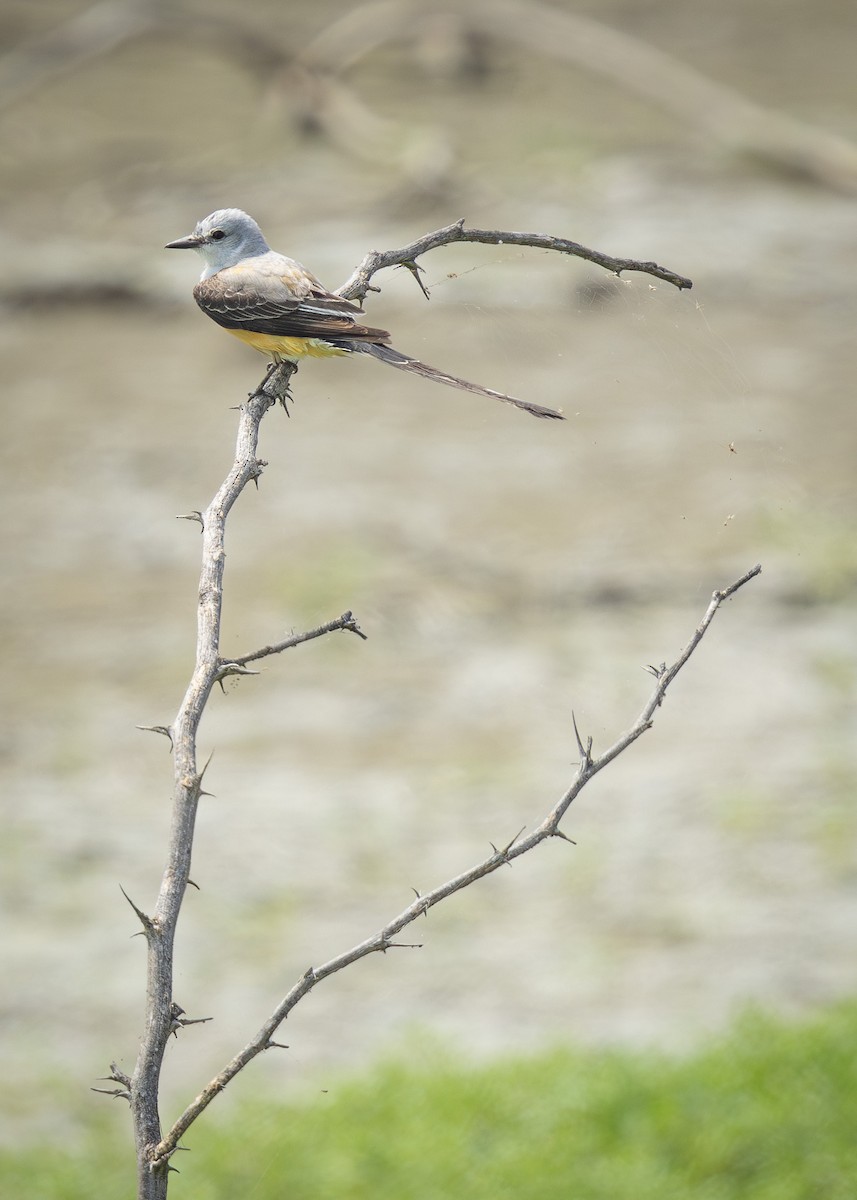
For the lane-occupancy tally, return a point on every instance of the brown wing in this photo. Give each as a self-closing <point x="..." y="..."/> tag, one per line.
<point x="319" y="314"/>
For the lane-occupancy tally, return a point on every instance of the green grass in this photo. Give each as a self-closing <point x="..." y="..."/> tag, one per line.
<point x="767" y="1112"/>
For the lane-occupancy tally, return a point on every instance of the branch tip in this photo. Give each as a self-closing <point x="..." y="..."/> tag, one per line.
<point x="351" y="626"/>
<point x="720" y="596"/>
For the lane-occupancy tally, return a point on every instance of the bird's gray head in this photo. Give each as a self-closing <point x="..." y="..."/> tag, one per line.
<point x="223" y="239"/>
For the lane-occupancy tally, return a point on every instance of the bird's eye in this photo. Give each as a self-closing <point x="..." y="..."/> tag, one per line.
<point x="217" y="235"/>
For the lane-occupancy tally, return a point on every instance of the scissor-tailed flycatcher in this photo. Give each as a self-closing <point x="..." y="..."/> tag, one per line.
<point x="281" y="309"/>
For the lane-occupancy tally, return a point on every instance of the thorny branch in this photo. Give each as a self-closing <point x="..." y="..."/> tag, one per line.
<point x="588" y="767"/>
<point x="346" y="622"/>
<point x="164" y="1016"/>
<point x="356" y="287"/>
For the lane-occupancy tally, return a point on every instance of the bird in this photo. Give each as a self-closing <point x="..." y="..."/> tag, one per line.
<point x="279" y="307"/>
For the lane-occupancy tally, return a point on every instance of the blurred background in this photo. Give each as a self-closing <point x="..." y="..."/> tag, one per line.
<point x="507" y="571"/>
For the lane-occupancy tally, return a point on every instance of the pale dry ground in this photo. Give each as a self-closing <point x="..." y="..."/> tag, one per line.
<point x="506" y="571"/>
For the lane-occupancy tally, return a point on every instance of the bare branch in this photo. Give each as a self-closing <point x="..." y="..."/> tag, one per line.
<point x="346" y="622"/>
<point x="587" y="768"/>
<point x="162" y="1016"/>
<point x="358" y="284"/>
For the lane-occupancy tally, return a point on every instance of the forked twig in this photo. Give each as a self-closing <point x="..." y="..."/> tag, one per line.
<point x="588" y="767"/>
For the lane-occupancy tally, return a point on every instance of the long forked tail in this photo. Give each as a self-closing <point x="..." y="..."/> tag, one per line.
<point x="396" y="359"/>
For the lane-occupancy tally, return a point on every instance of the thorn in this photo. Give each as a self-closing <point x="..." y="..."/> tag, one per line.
<point x="419" y="897"/>
<point x="116" y="1093"/>
<point x="514" y="839"/>
<point x="195" y="515"/>
<point x="146" y="921"/>
<point x="269" y="1045"/>
<point x="190" y="881"/>
<point x="388" y="945"/>
<point x="165" y="730"/>
<point x="657" y="672"/>
<point x="416" y="270"/>
<point x="500" y="854"/>
<point x="178" y="1020"/>
<point x="118" y="1075"/>
<point x="584" y="751"/>
<point x="559" y="833"/>
<point x="504" y="852"/>
<point x="256" y="470"/>
<point x="164" y="1158"/>
<point x="231" y="668"/>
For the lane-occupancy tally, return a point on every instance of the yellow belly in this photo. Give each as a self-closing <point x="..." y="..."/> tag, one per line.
<point x="288" y="349"/>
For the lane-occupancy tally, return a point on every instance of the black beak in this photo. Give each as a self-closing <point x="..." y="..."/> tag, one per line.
<point x="186" y="243"/>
